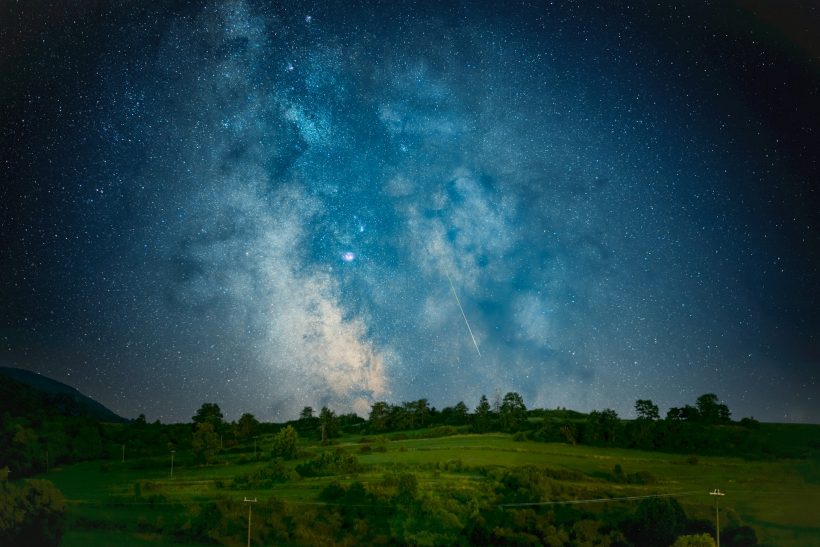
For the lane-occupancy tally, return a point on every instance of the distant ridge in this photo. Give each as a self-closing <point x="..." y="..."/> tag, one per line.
<point x="50" y="386"/>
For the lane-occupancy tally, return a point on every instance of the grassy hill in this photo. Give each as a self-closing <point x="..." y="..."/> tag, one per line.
<point x="459" y="480"/>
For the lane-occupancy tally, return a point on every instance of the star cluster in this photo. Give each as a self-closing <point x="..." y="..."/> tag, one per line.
<point x="274" y="205"/>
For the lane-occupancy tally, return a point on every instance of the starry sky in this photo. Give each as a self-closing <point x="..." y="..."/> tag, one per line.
<point x="269" y="205"/>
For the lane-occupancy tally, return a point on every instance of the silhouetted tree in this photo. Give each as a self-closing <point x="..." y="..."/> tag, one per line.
<point x="460" y="414"/>
<point x="421" y="409"/>
<point x="328" y="423"/>
<point x="601" y="426"/>
<point x="646" y="410"/>
<point x="512" y="413"/>
<point x="482" y="415"/>
<point x="209" y="413"/>
<point x="246" y="426"/>
<point x="710" y="410"/>
<point x="379" y="413"/>
<point x="205" y="442"/>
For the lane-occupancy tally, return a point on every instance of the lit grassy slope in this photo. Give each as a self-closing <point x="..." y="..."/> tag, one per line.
<point x="778" y="498"/>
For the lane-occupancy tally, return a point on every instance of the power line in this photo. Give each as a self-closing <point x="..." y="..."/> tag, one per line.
<point x="599" y="500"/>
<point x="324" y="503"/>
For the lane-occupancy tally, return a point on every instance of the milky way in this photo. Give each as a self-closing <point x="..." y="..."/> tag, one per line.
<point x="270" y="206"/>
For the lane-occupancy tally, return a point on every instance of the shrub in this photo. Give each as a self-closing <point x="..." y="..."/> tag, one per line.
<point x="31" y="514"/>
<point x="329" y="463"/>
<point x="285" y="443"/>
<point x="275" y="473"/>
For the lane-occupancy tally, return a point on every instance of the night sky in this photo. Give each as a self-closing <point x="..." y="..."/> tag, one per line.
<point x="269" y="205"/>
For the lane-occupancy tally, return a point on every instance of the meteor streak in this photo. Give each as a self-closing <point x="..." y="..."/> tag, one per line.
<point x="462" y="314"/>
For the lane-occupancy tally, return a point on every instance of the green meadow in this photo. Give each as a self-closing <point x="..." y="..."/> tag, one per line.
<point x="137" y="502"/>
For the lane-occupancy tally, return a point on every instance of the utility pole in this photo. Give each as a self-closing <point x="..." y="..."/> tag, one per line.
<point x="172" y="463"/>
<point x="249" y="501"/>
<point x="717" y="493"/>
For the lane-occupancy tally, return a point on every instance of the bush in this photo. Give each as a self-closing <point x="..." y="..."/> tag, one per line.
<point x="275" y="473"/>
<point x="285" y="443"/>
<point x="32" y="514"/>
<point x="329" y="463"/>
<point x="657" y="521"/>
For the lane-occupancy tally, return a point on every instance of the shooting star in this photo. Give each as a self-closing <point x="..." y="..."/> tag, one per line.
<point x="463" y="315"/>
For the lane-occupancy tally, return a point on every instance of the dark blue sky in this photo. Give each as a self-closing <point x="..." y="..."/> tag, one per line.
<point x="264" y="205"/>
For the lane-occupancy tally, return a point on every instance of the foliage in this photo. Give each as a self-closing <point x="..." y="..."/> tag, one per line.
<point x="379" y="413"/>
<point x="247" y="426"/>
<point x="601" y="427"/>
<point x="646" y="410"/>
<point x="285" y="443"/>
<point x="657" y="521"/>
<point x="31" y="514"/>
<point x="482" y="416"/>
<point x="699" y="540"/>
<point x="266" y="477"/>
<point x="205" y="443"/>
<point x="329" y="463"/>
<point x="328" y="423"/>
<point x="512" y="412"/>
<point x="710" y="411"/>
<point x="209" y="413"/>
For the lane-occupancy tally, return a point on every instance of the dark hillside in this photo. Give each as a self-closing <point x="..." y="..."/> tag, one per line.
<point x="47" y="397"/>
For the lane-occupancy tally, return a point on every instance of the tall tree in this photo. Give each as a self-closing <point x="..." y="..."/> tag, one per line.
<point x="482" y="415"/>
<point x="512" y="413"/>
<point x="328" y="424"/>
<point x="710" y="410"/>
<point x="421" y="409"/>
<point x="461" y="414"/>
<point x="246" y="426"/>
<point x="647" y="410"/>
<point x="209" y="413"/>
<point x="205" y="443"/>
<point x="379" y="412"/>
<point x="601" y="426"/>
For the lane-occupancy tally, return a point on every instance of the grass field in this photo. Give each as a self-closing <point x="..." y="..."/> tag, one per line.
<point x="778" y="498"/>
